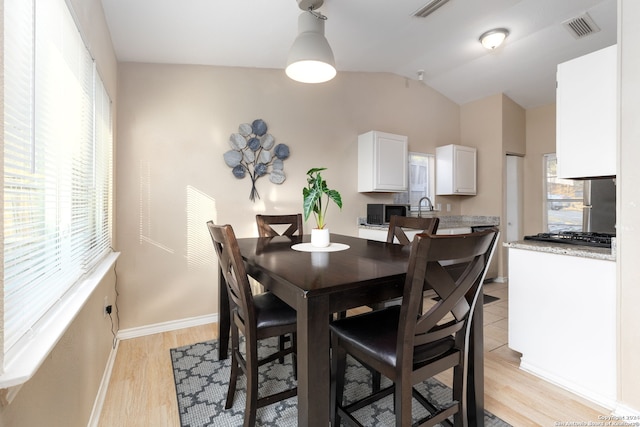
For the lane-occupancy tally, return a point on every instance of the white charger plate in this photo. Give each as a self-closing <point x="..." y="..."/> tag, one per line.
<point x="308" y="247"/>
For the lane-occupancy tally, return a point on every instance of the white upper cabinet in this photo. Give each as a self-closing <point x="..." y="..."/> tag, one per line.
<point x="455" y="170"/>
<point x="586" y="116"/>
<point x="382" y="162"/>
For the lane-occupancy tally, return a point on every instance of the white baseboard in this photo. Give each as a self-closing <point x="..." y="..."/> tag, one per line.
<point x="597" y="398"/>
<point x="104" y="385"/>
<point x="135" y="333"/>
<point x="172" y="325"/>
<point x="626" y="413"/>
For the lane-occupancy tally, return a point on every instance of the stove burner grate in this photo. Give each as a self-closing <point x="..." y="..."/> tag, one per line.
<point x="602" y="240"/>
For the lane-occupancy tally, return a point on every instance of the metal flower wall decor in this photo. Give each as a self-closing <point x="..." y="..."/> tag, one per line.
<point x="253" y="152"/>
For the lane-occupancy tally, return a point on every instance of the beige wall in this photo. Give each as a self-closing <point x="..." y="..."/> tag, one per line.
<point x="63" y="390"/>
<point x="541" y="140"/>
<point x="174" y="126"/>
<point x="495" y="126"/>
<point x="629" y="206"/>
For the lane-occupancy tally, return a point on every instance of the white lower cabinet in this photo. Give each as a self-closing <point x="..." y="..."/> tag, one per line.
<point x="381" y="234"/>
<point x="562" y="318"/>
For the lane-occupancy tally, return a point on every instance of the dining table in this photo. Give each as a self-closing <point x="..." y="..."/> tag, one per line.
<point x="319" y="282"/>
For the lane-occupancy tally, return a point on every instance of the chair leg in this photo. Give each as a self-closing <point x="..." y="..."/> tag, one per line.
<point x="233" y="377"/>
<point x="375" y="380"/>
<point x="459" y="418"/>
<point x="281" y="340"/>
<point x="338" y="369"/>
<point x="402" y="402"/>
<point x="294" y="354"/>
<point x="251" y="405"/>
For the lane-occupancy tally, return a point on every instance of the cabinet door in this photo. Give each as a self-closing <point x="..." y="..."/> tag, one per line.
<point x="382" y="162"/>
<point x="465" y="170"/>
<point x="455" y="170"/>
<point x="391" y="163"/>
<point x="586" y="102"/>
<point x="371" y="234"/>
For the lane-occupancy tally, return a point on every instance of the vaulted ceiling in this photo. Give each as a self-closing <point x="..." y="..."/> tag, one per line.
<point x="375" y="36"/>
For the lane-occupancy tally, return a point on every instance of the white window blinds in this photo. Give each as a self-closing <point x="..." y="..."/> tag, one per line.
<point x="57" y="162"/>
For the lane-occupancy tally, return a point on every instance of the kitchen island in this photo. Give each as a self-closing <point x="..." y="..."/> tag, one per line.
<point x="562" y="315"/>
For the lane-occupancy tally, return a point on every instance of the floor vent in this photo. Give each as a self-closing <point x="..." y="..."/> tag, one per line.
<point x="429" y="8"/>
<point x="581" y="26"/>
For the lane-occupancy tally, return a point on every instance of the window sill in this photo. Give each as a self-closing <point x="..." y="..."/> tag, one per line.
<point x="26" y="356"/>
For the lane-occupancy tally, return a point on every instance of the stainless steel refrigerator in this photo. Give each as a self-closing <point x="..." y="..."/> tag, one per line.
<point x="599" y="212"/>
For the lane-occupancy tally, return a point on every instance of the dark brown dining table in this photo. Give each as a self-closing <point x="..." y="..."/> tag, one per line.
<point x="318" y="284"/>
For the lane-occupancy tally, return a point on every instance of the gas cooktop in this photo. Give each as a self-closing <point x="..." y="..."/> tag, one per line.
<point x="601" y="240"/>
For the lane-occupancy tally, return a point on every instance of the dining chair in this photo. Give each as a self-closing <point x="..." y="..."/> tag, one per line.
<point x="410" y="347"/>
<point x="265" y="229"/>
<point x="265" y="222"/>
<point x="257" y="317"/>
<point x="398" y="223"/>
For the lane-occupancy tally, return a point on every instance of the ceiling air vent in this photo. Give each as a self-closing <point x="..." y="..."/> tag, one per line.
<point x="581" y="26"/>
<point x="429" y="8"/>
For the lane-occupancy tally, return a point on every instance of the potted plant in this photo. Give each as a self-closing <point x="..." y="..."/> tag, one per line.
<point x="312" y="196"/>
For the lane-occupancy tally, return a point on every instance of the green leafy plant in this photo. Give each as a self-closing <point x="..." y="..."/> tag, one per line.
<point x="312" y="196"/>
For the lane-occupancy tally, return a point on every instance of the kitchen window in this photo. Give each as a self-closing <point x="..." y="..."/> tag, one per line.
<point x="421" y="180"/>
<point x="563" y="199"/>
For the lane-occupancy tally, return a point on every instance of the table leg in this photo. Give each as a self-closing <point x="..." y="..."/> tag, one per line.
<point x="475" y="390"/>
<point x="224" y="318"/>
<point x="313" y="361"/>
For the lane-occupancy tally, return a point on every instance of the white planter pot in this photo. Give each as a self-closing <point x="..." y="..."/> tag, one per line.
<point x="320" y="237"/>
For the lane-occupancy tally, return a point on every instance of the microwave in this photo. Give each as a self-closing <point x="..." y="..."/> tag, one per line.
<point x="381" y="213"/>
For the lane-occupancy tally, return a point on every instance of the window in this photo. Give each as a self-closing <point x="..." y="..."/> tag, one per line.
<point x="563" y="202"/>
<point x="421" y="178"/>
<point x="57" y="162"/>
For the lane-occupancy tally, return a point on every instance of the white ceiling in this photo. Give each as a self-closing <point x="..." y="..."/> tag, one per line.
<point x="373" y="36"/>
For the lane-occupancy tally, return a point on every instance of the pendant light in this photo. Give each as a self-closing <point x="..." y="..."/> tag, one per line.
<point x="310" y="57"/>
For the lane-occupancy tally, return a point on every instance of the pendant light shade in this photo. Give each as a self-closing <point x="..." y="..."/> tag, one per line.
<point x="310" y="57"/>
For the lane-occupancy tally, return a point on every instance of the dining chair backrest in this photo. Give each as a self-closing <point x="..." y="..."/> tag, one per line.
<point x="397" y="223"/>
<point x="266" y="221"/>
<point x="458" y="293"/>
<point x="233" y="270"/>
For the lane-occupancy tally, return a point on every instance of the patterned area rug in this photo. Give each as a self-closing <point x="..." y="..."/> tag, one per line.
<point x="201" y="385"/>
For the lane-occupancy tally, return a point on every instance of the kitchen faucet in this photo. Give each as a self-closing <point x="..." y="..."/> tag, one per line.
<point x="430" y="205"/>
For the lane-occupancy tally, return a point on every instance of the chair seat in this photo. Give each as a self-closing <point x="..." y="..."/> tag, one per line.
<point x="271" y="311"/>
<point x="375" y="334"/>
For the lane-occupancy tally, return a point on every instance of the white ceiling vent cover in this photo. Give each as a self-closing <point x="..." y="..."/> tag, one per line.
<point x="581" y="26"/>
<point x="429" y="8"/>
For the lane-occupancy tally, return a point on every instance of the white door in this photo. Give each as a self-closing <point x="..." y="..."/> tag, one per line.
<point x="515" y="185"/>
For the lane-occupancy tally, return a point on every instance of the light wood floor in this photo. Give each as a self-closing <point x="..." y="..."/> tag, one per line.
<point x="142" y="392"/>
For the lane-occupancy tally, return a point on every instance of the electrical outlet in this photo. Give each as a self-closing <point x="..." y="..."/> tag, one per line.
<point x="106" y="305"/>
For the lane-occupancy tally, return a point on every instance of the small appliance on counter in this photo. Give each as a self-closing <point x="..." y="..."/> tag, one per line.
<point x="378" y="213"/>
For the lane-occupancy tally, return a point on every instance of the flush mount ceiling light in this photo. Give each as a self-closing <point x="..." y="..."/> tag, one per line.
<point x="494" y="38"/>
<point x="310" y="57"/>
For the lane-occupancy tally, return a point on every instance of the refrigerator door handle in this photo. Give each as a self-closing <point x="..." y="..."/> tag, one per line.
<point x="586" y="218"/>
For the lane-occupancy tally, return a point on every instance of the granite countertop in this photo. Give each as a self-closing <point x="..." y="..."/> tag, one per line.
<point x="563" y="249"/>
<point x="450" y="221"/>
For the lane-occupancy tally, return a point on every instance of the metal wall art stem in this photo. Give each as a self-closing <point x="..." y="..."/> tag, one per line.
<point x="254" y="153"/>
